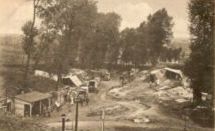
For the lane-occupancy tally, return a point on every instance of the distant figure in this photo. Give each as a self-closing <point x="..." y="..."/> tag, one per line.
<point x="58" y="106"/>
<point x="69" y="115"/>
<point x="44" y="110"/>
<point x="87" y="100"/>
<point x="49" y="111"/>
<point x="81" y="102"/>
<point x="122" y="79"/>
<point x="152" y="79"/>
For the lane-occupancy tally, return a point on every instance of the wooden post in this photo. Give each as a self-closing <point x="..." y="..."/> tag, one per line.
<point x="40" y="107"/>
<point x="63" y="122"/>
<point x="76" y="117"/>
<point x="103" y="119"/>
<point x="49" y="102"/>
<point x="30" y="110"/>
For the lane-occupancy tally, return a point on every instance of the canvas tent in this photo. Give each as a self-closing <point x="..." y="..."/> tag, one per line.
<point x="157" y="75"/>
<point x="163" y="74"/>
<point x="44" y="74"/>
<point x="72" y="81"/>
<point x="41" y="73"/>
<point x="173" y="73"/>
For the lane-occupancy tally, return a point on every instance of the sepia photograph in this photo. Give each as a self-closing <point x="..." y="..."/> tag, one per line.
<point x="107" y="65"/>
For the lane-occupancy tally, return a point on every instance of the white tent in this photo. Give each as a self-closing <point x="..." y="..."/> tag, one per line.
<point x="41" y="73"/>
<point x="74" y="79"/>
<point x="175" y="71"/>
<point x="44" y="74"/>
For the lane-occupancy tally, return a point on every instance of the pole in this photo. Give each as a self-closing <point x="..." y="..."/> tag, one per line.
<point x="76" y="117"/>
<point x="103" y="124"/>
<point x="6" y="100"/>
<point x="186" y="118"/>
<point x="103" y="119"/>
<point x="63" y="122"/>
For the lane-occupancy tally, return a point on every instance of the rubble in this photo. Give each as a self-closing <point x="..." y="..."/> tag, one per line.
<point x="142" y="120"/>
<point x="82" y="74"/>
<point x="179" y="94"/>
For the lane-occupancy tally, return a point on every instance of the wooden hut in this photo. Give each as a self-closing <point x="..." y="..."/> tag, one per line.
<point x="32" y="103"/>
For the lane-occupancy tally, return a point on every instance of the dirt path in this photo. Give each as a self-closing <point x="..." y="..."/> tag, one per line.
<point x="93" y="124"/>
<point x="97" y="125"/>
<point x="135" y="110"/>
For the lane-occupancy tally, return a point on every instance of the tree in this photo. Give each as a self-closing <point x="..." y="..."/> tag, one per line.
<point x="45" y="40"/>
<point x="159" y="33"/>
<point x="28" y="47"/>
<point x="100" y="40"/>
<point x="30" y="32"/>
<point x="111" y="31"/>
<point x="169" y="54"/>
<point x="142" y="48"/>
<point x="134" y="45"/>
<point x="200" y="65"/>
<point x="128" y="40"/>
<point x="148" y="42"/>
<point x="69" y="19"/>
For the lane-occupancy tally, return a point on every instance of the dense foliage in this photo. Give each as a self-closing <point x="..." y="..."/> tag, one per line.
<point x="73" y="33"/>
<point x="149" y="42"/>
<point x="199" y="67"/>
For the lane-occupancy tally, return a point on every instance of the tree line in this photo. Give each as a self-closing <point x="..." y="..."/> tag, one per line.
<point x="73" y="32"/>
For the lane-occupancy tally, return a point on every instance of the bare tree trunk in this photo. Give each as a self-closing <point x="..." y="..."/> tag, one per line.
<point x="26" y="71"/>
<point x="27" y="67"/>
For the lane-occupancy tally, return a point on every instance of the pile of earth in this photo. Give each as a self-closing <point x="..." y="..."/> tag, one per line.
<point x="178" y="94"/>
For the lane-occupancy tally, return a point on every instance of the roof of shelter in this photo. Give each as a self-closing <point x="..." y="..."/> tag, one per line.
<point x="175" y="71"/>
<point x="155" y="71"/>
<point x="33" y="96"/>
<point x="74" y="79"/>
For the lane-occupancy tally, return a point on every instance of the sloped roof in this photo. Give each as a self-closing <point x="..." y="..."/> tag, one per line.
<point x="155" y="71"/>
<point x="74" y="79"/>
<point x="175" y="71"/>
<point x="33" y="96"/>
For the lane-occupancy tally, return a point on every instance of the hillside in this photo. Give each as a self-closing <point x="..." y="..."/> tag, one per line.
<point x="11" y="49"/>
<point x="184" y="44"/>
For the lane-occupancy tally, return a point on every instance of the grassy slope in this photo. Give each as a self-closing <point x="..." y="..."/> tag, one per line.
<point x="11" y="123"/>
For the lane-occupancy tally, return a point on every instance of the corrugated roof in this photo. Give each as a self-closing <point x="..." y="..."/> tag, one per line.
<point x="33" y="96"/>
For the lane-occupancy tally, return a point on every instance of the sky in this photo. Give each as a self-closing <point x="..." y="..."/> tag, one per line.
<point x="14" y="13"/>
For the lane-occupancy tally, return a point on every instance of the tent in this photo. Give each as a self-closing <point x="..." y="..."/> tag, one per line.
<point x="44" y="74"/>
<point x="174" y="71"/>
<point x="72" y="81"/>
<point x="41" y="73"/>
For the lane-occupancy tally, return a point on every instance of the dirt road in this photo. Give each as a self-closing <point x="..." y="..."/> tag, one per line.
<point x="136" y="110"/>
